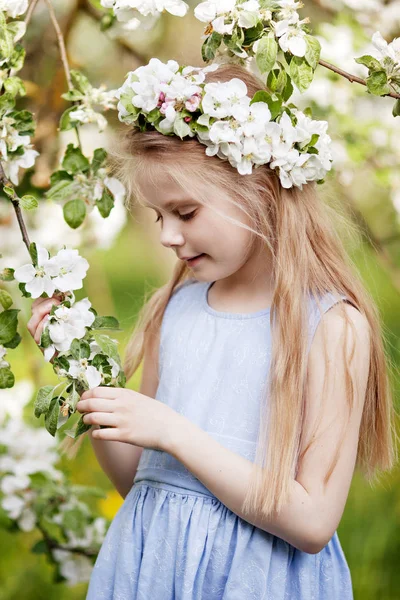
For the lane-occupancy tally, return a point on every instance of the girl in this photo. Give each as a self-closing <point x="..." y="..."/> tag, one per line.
<point x="264" y="384"/>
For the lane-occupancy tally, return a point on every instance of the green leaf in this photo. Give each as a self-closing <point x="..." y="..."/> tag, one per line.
<point x="80" y="81"/>
<point x="39" y="547"/>
<point x="7" y="274"/>
<point x="301" y="73"/>
<point x="14" y="342"/>
<point x="105" y="203"/>
<point x="8" y="325"/>
<point x="73" y="96"/>
<point x="369" y="61"/>
<point x="99" y="157"/>
<point x="29" y="202"/>
<point x="51" y="417"/>
<point x="79" y="349"/>
<point x="275" y="106"/>
<point x="45" y="340"/>
<point x="266" y="53"/>
<point x="252" y="34"/>
<point x="17" y="58"/>
<point x="210" y="46"/>
<point x="181" y="128"/>
<point x="63" y="189"/>
<point x="74" y="213"/>
<point x="396" y="109"/>
<point x="81" y="428"/>
<point x="33" y="253"/>
<point x="7" y="378"/>
<point x="66" y="122"/>
<point x="377" y="83"/>
<point x="288" y="90"/>
<point x="73" y="399"/>
<point x="107" y="346"/>
<point x="6" y="38"/>
<point x="58" y="176"/>
<point x="23" y="290"/>
<point x="15" y="86"/>
<point x="5" y="299"/>
<point x="313" y="51"/>
<point x="7" y="102"/>
<point x="43" y="399"/>
<point x="105" y="323"/>
<point x="9" y="191"/>
<point x="74" y="161"/>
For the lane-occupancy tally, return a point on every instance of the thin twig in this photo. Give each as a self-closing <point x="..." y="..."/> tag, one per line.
<point x="61" y="43"/>
<point x="64" y="58"/>
<point x="30" y="10"/>
<point x="352" y="78"/>
<point x="15" y="202"/>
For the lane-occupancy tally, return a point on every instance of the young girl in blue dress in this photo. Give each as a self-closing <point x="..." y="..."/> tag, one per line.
<point x="264" y="385"/>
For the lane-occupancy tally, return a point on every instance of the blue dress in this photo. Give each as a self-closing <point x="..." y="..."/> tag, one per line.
<point x="172" y="539"/>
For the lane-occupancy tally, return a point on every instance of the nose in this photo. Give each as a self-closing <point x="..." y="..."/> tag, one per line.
<point x="171" y="235"/>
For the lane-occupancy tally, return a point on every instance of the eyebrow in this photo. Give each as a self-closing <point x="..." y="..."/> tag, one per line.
<point x="173" y="203"/>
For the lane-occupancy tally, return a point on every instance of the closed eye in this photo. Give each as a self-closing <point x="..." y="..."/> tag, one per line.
<point x="186" y="217"/>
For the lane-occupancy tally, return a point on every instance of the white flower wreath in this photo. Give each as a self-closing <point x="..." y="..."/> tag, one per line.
<point x="248" y="132"/>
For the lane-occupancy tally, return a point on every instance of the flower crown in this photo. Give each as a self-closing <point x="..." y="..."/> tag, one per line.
<point x="248" y="132"/>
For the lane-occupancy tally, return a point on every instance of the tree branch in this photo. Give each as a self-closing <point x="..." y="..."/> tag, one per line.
<point x="352" y="78"/>
<point x="15" y="202"/>
<point x="30" y="10"/>
<point x="61" y="44"/>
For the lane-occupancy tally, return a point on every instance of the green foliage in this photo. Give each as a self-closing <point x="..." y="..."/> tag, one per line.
<point x="210" y="46"/>
<point x="267" y="51"/>
<point x="74" y="213"/>
<point x="8" y="325"/>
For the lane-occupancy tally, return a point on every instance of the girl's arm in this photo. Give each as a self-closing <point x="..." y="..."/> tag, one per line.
<point x="312" y="514"/>
<point x="120" y="460"/>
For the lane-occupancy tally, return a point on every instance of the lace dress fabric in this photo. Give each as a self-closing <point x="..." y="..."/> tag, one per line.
<point x="172" y="539"/>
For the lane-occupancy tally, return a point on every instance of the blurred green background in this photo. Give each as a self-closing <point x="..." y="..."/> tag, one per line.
<point x="119" y="277"/>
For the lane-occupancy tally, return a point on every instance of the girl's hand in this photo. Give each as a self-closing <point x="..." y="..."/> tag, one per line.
<point x="41" y="308"/>
<point x="129" y="416"/>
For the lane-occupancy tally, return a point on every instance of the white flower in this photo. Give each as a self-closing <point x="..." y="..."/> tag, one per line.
<point x="68" y="324"/>
<point x="17" y="500"/>
<point x="132" y="11"/>
<point x="223" y="15"/>
<point x="391" y="50"/>
<point x="68" y="269"/>
<point x="75" y="568"/>
<point x="37" y="279"/>
<point x="86" y="114"/>
<point x="291" y="39"/>
<point x="226" y="99"/>
<point x="3" y="363"/>
<point x="80" y="369"/>
<point x="14" y="8"/>
<point x="288" y="11"/>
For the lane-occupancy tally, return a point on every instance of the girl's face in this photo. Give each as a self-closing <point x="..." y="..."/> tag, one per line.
<point x="190" y="228"/>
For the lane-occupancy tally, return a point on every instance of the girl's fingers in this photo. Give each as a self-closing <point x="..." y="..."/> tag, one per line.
<point x="38" y="313"/>
<point x="95" y="404"/>
<point x="39" y="330"/>
<point x="100" y="418"/>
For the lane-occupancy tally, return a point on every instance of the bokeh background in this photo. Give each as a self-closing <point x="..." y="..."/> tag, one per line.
<point x="127" y="260"/>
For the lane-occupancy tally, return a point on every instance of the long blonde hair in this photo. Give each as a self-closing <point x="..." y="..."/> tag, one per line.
<point x="308" y="258"/>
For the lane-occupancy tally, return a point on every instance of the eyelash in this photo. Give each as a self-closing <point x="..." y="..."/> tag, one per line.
<point x="186" y="217"/>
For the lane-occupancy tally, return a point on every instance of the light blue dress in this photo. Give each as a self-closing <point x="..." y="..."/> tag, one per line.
<point x="172" y="539"/>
